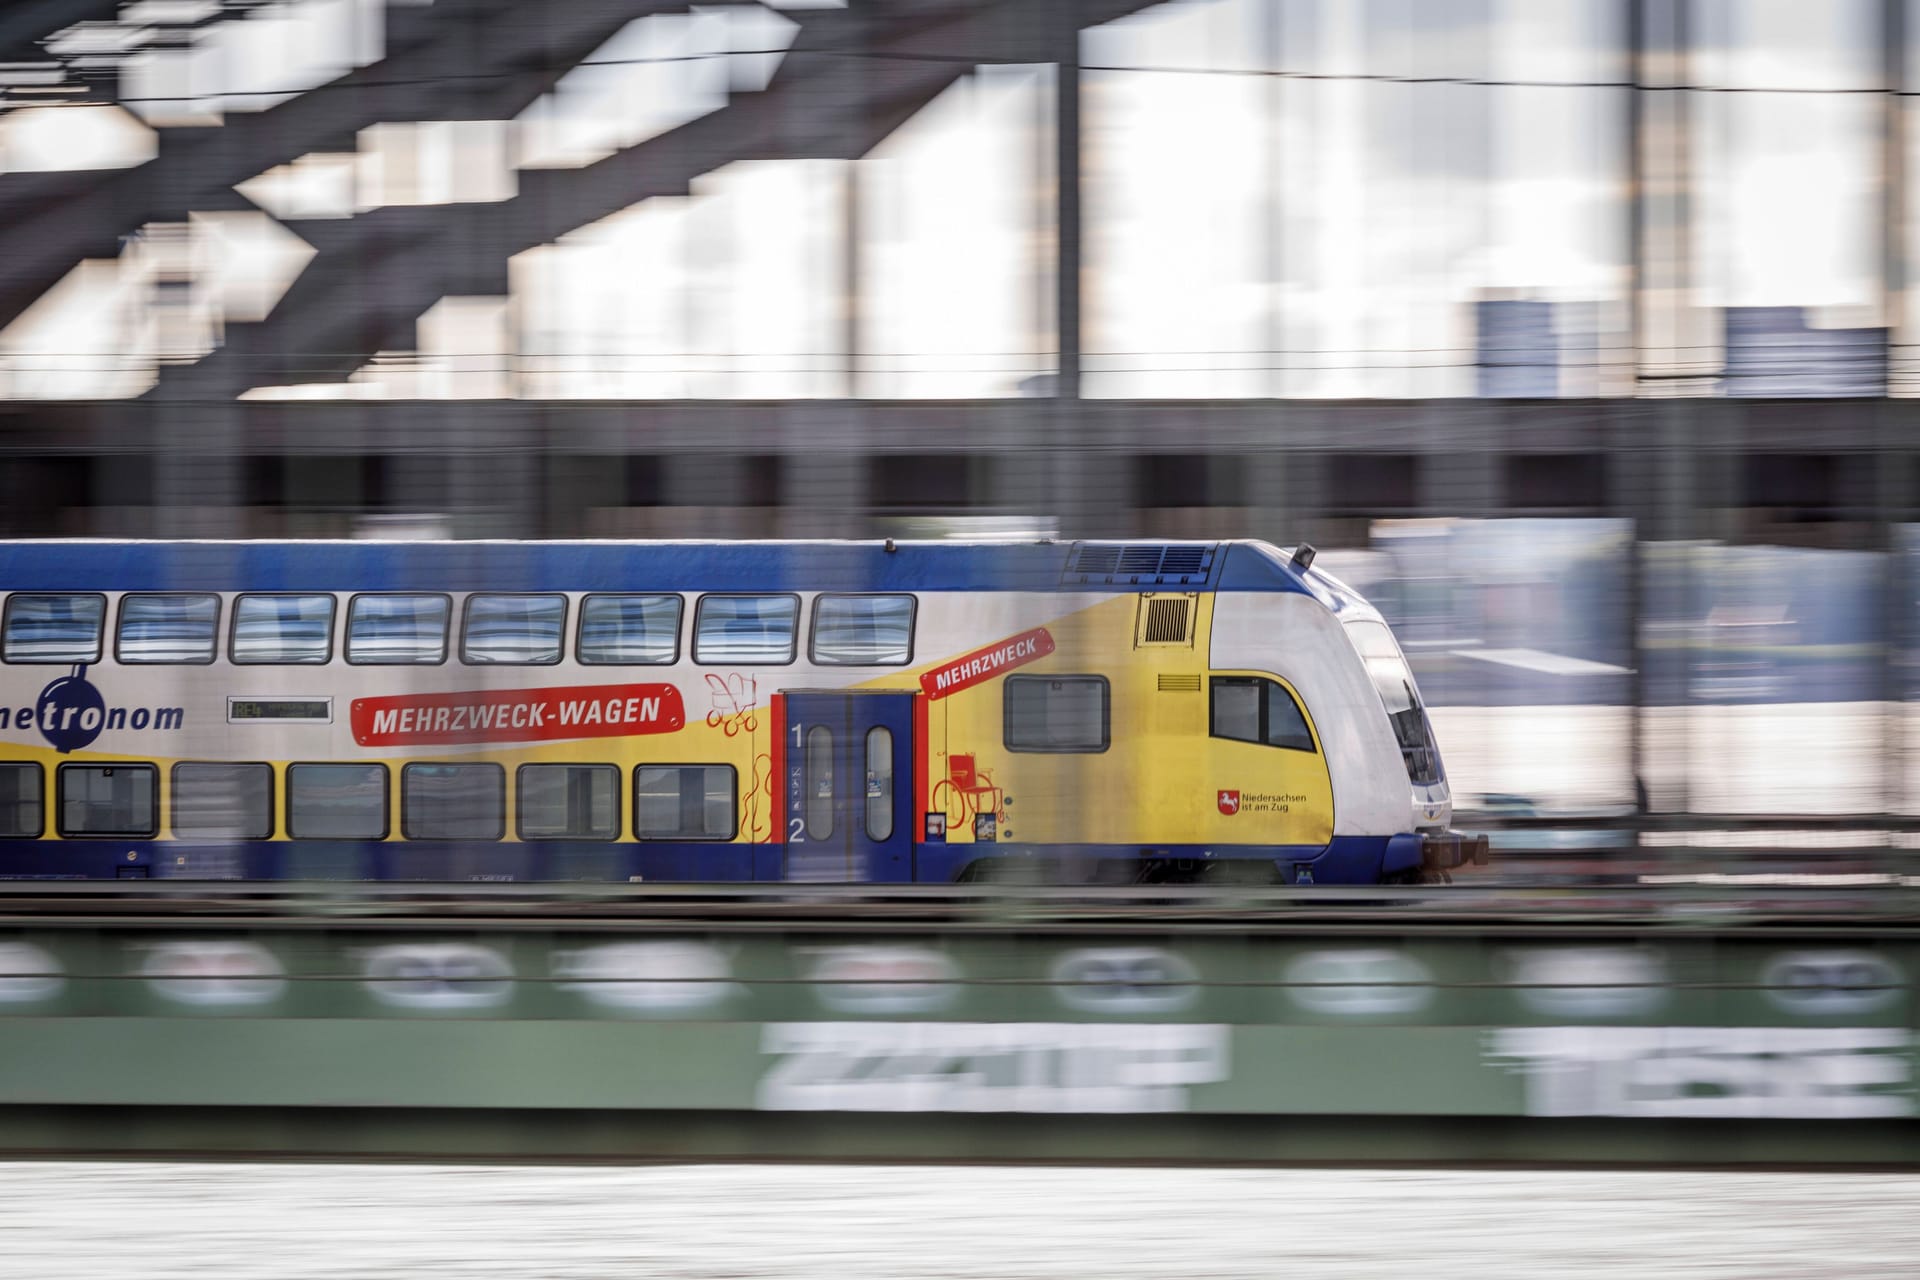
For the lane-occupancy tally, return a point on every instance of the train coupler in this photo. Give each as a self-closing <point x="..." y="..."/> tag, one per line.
<point x="1452" y="849"/>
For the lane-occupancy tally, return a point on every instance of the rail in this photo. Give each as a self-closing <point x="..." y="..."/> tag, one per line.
<point x="1437" y="909"/>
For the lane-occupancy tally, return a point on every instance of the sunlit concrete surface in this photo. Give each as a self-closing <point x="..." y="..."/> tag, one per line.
<point x="80" y="1221"/>
<point x="1809" y="758"/>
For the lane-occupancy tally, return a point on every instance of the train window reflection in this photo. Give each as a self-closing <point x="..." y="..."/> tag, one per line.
<point x="167" y="628"/>
<point x="1056" y="713"/>
<point x="282" y="629"/>
<point x="759" y="629"/>
<point x="629" y="630"/>
<point x="53" y="628"/>
<point x="513" y="629"/>
<point x="683" y="802"/>
<point x="568" y="801"/>
<point x="383" y="629"/>
<point x="1254" y="709"/>
<point x="223" y="801"/>
<point x="337" y="801"/>
<point x="22" y="797"/>
<point x="819" y="782"/>
<point x="879" y="783"/>
<point x="109" y="800"/>
<point x="873" y="631"/>
<point x="453" y="801"/>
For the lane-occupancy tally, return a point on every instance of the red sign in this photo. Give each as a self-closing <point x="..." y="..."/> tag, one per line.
<point x="518" y="715"/>
<point x="1229" y="802"/>
<point x="984" y="664"/>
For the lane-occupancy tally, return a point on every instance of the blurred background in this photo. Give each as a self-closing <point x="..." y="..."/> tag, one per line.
<point x="1576" y="332"/>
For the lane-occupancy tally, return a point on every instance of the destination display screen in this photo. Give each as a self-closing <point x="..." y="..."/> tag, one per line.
<point x="280" y="710"/>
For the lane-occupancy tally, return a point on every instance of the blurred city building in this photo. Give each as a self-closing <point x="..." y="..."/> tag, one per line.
<point x="1577" y="330"/>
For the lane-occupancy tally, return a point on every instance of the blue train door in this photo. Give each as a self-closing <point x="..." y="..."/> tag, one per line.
<point x="849" y="766"/>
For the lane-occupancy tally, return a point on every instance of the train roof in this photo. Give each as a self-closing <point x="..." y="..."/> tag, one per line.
<point x="348" y="566"/>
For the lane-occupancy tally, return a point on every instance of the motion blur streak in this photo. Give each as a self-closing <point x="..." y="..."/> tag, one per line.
<point x="92" y="1222"/>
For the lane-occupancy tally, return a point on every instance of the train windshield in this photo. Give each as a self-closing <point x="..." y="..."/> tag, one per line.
<point x="1394" y="681"/>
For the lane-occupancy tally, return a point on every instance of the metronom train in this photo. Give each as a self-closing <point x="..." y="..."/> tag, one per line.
<point x="704" y="711"/>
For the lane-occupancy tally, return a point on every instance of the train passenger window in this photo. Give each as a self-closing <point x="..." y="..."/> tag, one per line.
<point x="337" y="801"/>
<point x="879" y="783"/>
<point x="222" y="801"/>
<point x="525" y="630"/>
<point x="1056" y="713"/>
<point x="865" y="631"/>
<point x="453" y="802"/>
<point x="167" y="628"/>
<point x="818" y="771"/>
<point x="568" y="802"/>
<point x="1250" y="709"/>
<point x="23" y="789"/>
<point x="683" y="801"/>
<point x="109" y="799"/>
<point x="745" y="629"/>
<point x="386" y="629"/>
<point x="53" y="628"/>
<point x="281" y="629"/>
<point x="629" y="630"/>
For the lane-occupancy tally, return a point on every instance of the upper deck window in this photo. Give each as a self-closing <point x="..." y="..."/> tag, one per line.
<point x="865" y="631"/>
<point x="746" y="629"/>
<point x="282" y="629"/>
<point x="383" y="629"/>
<point x="170" y="628"/>
<point x="53" y="628"/>
<point x="629" y="630"/>
<point x="523" y="630"/>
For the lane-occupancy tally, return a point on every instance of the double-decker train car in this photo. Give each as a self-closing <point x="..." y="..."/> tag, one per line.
<point x="706" y="712"/>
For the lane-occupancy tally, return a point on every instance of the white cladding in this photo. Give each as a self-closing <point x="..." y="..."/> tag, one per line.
<point x="1299" y="639"/>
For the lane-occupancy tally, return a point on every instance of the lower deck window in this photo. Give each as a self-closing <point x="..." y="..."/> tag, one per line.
<point x="109" y="800"/>
<point x="337" y="801"/>
<point x="568" y="802"/>
<point x="683" y="802"/>
<point x="1056" y="713"/>
<point x="453" y="801"/>
<point x="222" y="801"/>
<point x="23" y="789"/>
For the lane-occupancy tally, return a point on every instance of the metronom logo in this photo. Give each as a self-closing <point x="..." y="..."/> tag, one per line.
<point x="71" y="712"/>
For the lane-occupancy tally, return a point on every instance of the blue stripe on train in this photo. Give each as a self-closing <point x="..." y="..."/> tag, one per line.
<point x="1345" y="860"/>
<point x="577" y="566"/>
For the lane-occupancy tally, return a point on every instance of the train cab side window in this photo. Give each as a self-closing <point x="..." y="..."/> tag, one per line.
<point x="1250" y="709"/>
<point x="453" y="801"/>
<point x="864" y="631"/>
<point x="109" y="799"/>
<point x="684" y="802"/>
<point x="53" y="628"/>
<point x="523" y="630"/>
<point x="568" y="802"/>
<point x="222" y="801"/>
<point x="337" y="801"/>
<point x="628" y="631"/>
<point x="761" y="630"/>
<point x="385" y="630"/>
<point x="1057" y="713"/>
<point x="23" y="790"/>
<point x="182" y="628"/>
<point x="291" y="629"/>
